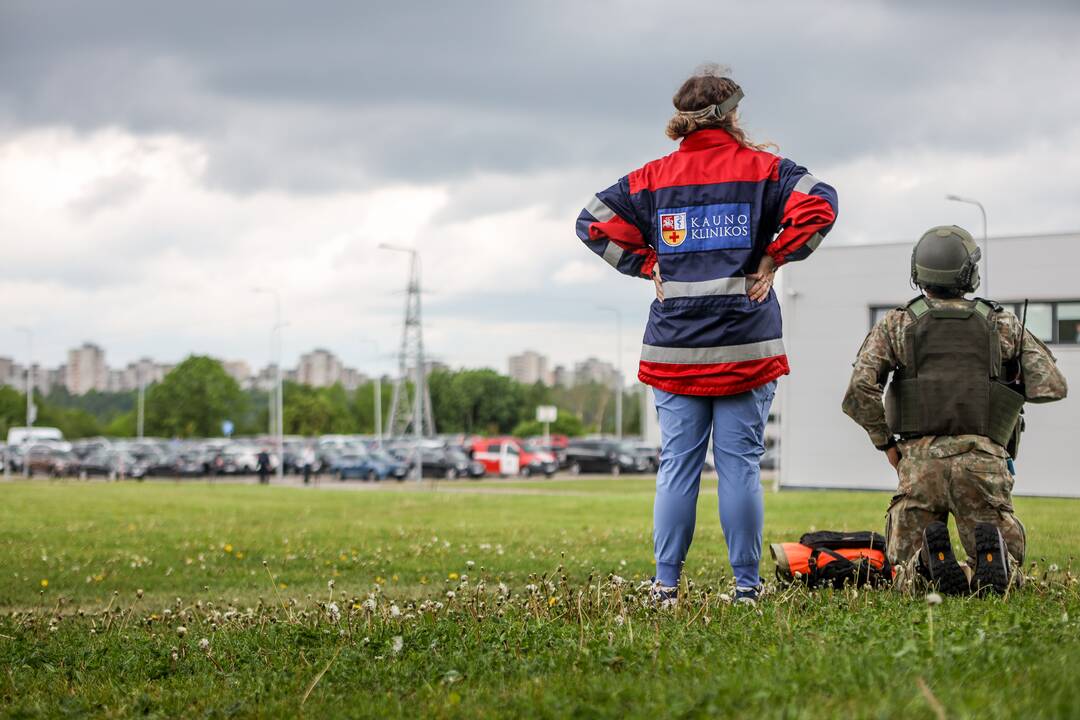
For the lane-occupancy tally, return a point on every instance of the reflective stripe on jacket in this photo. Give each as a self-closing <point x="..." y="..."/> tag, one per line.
<point x="707" y="213"/>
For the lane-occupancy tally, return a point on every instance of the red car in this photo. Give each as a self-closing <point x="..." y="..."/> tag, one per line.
<point x="506" y="456"/>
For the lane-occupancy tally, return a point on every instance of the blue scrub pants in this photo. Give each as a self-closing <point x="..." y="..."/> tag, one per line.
<point x="737" y="426"/>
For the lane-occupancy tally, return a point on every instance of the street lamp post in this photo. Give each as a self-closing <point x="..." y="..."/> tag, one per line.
<point x="986" y="239"/>
<point x="279" y="431"/>
<point x="142" y="399"/>
<point x="618" y="369"/>
<point x="30" y="409"/>
<point x="378" y="394"/>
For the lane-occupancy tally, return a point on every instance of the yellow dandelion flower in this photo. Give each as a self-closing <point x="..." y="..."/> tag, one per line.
<point x="380" y="580"/>
<point x="423" y="580"/>
<point x="228" y="548"/>
<point x="453" y="576"/>
<point x="44" y="583"/>
<point x="283" y="585"/>
<point x="394" y="578"/>
<point x="552" y="601"/>
<point x="342" y="558"/>
<point x="239" y="555"/>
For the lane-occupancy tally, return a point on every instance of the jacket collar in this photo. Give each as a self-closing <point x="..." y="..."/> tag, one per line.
<point x="706" y="138"/>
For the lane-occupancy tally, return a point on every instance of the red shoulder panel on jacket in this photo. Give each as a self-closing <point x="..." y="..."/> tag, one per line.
<point x="722" y="163"/>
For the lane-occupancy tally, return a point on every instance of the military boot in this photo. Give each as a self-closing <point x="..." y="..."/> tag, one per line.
<point x="937" y="562"/>
<point x="991" y="560"/>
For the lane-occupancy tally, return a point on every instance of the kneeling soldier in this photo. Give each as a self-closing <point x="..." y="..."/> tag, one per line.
<point x="961" y="371"/>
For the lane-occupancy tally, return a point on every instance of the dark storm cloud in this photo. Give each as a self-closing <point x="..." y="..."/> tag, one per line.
<point x="319" y="97"/>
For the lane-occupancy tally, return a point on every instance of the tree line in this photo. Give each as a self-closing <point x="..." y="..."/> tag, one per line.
<point x="197" y="396"/>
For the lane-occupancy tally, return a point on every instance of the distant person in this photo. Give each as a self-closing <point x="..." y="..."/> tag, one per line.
<point x="961" y="370"/>
<point x="710" y="224"/>
<point x="262" y="466"/>
<point x="307" y="459"/>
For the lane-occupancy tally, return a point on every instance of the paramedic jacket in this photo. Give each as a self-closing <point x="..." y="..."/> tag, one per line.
<point x="706" y="214"/>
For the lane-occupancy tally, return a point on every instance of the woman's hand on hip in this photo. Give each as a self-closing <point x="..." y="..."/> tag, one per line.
<point x="761" y="282"/>
<point x="658" y="282"/>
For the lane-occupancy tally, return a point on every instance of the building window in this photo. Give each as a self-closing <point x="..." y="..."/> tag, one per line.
<point x="1055" y="322"/>
<point x="1040" y="319"/>
<point x="877" y="314"/>
<point x="1068" y="323"/>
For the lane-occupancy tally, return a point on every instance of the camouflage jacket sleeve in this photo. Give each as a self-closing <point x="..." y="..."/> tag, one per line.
<point x="1041" y="378"/>
<point x="876" y="359"/>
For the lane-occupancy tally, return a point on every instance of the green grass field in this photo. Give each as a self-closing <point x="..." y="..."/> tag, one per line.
<point x="491" y="600"/>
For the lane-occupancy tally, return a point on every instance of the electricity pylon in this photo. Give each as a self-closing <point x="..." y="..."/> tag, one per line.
<point x="410" y="408"/>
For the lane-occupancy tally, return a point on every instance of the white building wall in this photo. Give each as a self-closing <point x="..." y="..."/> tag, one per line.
<point x="827" y="302"/>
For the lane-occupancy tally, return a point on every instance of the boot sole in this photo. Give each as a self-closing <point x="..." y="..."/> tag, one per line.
<point x="945" y="572"/>
<point x="991" y="567"/>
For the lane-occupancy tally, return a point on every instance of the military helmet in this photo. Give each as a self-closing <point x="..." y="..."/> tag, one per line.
<point x="946" y="256"/>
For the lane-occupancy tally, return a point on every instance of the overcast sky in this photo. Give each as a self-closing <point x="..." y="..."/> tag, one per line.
<point x="159" y="160"/>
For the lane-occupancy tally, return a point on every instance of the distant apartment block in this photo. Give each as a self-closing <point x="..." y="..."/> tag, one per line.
<point x="594" y="370"/>
<point x="238" y="370"/>
<point x="530" y="367"/>
<point x="319" y="368"/>
<point x="86" y="370"/>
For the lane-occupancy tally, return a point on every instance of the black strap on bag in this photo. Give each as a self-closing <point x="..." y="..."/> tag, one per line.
<point x="840" y="570"/>
<point x="836" y="540"/>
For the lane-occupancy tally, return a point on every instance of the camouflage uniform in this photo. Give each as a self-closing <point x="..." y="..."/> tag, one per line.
<point x="965" y="475"/>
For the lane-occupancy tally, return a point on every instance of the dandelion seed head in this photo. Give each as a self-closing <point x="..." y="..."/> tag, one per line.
<point x="181" y="630"/>
<point x="204" y="645"/>
<point x="398" y="643"/>
<point x="933" y="599"/>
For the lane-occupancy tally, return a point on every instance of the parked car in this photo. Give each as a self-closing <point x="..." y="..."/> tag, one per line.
<point x="383" y="466"/>
<point x="48" y="460"/>
<point x="98" y="462"/>
<point x="238" y="460"/>
<point x="536" y="460"/>
<point x="603" y="456"/>
<point x="353" y="465"/>
<point x="449" y="464"/>
<point x="555" y="445"/>
<point x="650" y="453"/>
<point x="191" y="463"/>
<point x="499" y="455"/>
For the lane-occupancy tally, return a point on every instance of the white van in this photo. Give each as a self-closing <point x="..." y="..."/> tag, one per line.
<point x="20" y="435"/>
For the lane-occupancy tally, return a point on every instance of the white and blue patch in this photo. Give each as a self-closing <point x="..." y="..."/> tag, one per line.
<point x="724" y="226"/>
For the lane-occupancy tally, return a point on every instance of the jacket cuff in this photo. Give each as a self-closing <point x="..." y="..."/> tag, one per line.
<point x="890" y="442"/>
<point x="647" y="266"/>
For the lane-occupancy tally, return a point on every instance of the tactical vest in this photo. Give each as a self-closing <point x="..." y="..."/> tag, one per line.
<point x="951" y="380"/>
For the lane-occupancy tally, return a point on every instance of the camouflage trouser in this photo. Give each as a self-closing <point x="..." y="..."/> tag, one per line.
<point x="964" y="475"/>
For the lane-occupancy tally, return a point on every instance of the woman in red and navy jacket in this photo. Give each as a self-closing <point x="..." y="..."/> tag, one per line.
<point x="710" y="224"/>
